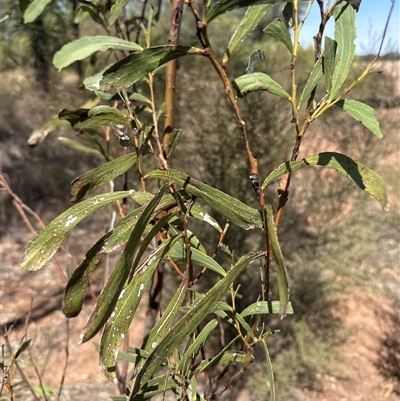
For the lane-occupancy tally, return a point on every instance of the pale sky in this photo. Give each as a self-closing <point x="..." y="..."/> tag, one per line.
<point x="371" y="19"/>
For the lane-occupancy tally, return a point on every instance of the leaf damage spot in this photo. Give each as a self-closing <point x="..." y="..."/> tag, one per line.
<point x="141" y="287"/>
<point x="70" y="220"/>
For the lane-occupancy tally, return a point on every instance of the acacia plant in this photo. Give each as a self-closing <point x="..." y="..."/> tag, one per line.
<point x="126" y="117"/>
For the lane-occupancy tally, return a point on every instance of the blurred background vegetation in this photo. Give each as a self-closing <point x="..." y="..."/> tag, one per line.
<point x="336" y="241"/>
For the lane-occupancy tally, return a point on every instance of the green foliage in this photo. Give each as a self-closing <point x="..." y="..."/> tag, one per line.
<point x="170" y="220"/>
<point x="365" y="178"/>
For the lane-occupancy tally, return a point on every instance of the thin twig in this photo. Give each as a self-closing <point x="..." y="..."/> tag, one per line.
<point x="60" y="388"/>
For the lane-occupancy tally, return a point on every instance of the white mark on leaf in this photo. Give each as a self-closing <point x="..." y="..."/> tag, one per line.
<point x="70" y="219"/>
<point x="141" y="286"/>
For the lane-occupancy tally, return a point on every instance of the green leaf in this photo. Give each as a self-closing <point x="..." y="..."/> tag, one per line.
<point x="95" y="117"/>
<point x="96" y="178"/>
<point x="328" y="61"/>
<point x="116" y="10"/>
<point x="41" y="132"/>
<point x="258" y="81"/>
<point x="21" y="348"/>
<point x="251" y="19"/>
<point x="221" y="359"/>
<point x="363" y="113"/>
<point x="163" y="326"/>
<point x="79" y="281"/>
<point x="34" y="9"/>
<point x="84" y="47"/>
<point x="345" y="35"/>
<point x="269" y="371"/>
<point x="93" y="10"/>
<point x="235" y="211"/>
<point x="157" y="385"/>
<point x="198" y="258"/>
<point x="266" y="307"/>
<point x="123" y="227"/>
<point x="78" y="146"/>
<point x="282" y="276"/>
<point x="255" y="57"/>
<point x="219" y="7"/>
<point x="312" y="82"/>
<point x="278" y="30"/>
<point x="287" y="13"/>
<point x="134" y="67"/>
<point x="140" y="98"/>
<point x="197" y="343"/>
<point x="365" y="178"/>
<point x="92" y="83"/>
<point x="41" y="249"/>
<point x="125" y="308"/>
<point x="175" y="136"/>
<point x="236" y="317"/>
<point x="198" y="213"/>
<point x="133" y="355"/>
<point x="114" y="287"/>
<point x="190" y="321"/>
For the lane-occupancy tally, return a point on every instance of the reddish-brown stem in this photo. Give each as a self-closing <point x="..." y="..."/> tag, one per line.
<point x="170" y="76"/>
<point x="253" y="167"/>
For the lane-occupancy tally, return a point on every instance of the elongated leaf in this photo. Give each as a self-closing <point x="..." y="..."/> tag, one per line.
<point x="178" y="254"/>
<point x="175" y="136"/>
<point x="81" y="48"/>
<point x="278" y="30"/>
<point x="265" y="307"/>
<point x="231" y="208"/>
<point x="140" y="98"/>
<point x="363" y="113"/>
<point x="114" y="287"/>
<point x="163" y="326"/>
<point x="92" y="83"/>
<point x="79" y="281"/>
<point x="236" y="318"/>
<point x="312" y="82"/>
<point x="96" y="117"/>
<point x="255" y="57"/>
<point x="287" y="13"/>
<point x="80" y="147"/>
<point x="133" y="355"/>
<point x="158" y="385"/>
<point x="197" y="343"/>
<point x="345" y="35"/>
<point x="134" y="67"/>
<point x="218" y="7"/>
<point x="190" y="321"/>
<point x="123" y="227"/>
<point x="96" y="178"/>
<point x="84" y="10"/>
<point x="34" y="9"/>
<point x="40" y="250"/>
<point x="116" y="10"/>
<point x="198" y="213"/>
<point x="282" y="277"/>
<point x="269" y="371"/>
<point x="328" y="61"/>
<point x="221" y="359"/>
<point x="125" y="308"/>
<point x="41" y="132"/>
<point x="251" y="19"/>
<point x="256" y="82"/>
<point x="365" y="178"/>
